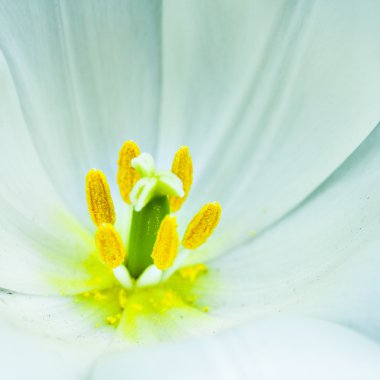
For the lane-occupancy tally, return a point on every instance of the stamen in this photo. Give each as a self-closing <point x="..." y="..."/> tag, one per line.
<point x="202" y="225"/>
<point x="127" y="175"/>
<point x="182" y="167"/>
<point x="166" y="246"/>
<point x="110" y="246"/>
<point x="99" y="201"/>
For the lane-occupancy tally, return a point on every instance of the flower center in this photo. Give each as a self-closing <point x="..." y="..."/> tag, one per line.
<point x="148" y="270"/>
<point x="127" y="307"/>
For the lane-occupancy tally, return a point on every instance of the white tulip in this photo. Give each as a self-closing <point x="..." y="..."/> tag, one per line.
<point x="278" y="102"/>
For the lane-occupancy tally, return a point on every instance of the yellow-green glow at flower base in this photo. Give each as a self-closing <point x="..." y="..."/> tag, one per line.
<point x="142" y="284"/>
<point x="123" y="308"/>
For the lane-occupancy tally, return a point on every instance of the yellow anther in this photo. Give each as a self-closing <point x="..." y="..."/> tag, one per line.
<point x="182" y="167"/>
<point x="109" y="245"/>
<point x="166" y="246"/>
<point x="127" y="175"/>
<point x="202" y="225"/>
<point x="99" y="201"/>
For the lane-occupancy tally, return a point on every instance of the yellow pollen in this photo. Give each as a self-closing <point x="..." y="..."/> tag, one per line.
<point x="202" y="225"/>
<point x="166" y="246"/>
<point x="127" y="175"/>
<point x="123" y="298"/>
<point x="99" y="201"/>
<point x="113" y="320"/>
<point x="109" y="245"/>
<point x="98" y="296"/>
<point x="137" y="306"/>
<point x="182" y="167"/>
<point x="191" y="273"/>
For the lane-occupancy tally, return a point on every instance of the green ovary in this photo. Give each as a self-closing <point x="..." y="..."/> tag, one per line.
<point x="145" y="225"/>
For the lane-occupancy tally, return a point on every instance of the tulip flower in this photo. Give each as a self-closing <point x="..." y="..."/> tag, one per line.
<point x="188" y="174"/>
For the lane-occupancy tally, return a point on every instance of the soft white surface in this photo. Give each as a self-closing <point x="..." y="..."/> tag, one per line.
<point x="59" y="318"/>
<point x="278" y="349"/>
<point x="39" y="237"/>
<point x="323" y="259"/>
<point x="87" y="78"/>
<point x="270" y="96"/>
<point x="26" y="356"/>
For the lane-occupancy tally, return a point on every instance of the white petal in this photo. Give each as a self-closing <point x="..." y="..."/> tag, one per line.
<point x="57" y="259"/>
<point x="43" y="247"/>
<point x="179" y="262"/>
<point x="321" y="260"/>
<point x="87" y="79"/>
<point x="24" y="354"/>
<point x="278" y="349"/>
<point x="271" y="97"/>
<point x="50" y="101"/>
<point x="64" y="321"/>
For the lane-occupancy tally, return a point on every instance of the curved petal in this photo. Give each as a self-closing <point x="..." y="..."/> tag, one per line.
<point x="56" y="259"/>
<point x="88" y="78"/>
<point x="271" y="98"/>
<point x="275" y="349"/>
<point x="52" y="354"/>
<point x="24" y="355"/>
<point x="43" y="248"/>
<point x="320" y="260"/>
<point x="62" y="319"/>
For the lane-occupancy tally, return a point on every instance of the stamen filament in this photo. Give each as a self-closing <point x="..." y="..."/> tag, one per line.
<point x="166" y="246"/>
<point x="127" y="175"/>
<point x="99" y="201"/>
<point x="182" y="167"/>
<point x="202" y="225"/>
<point x="109" y="245"/>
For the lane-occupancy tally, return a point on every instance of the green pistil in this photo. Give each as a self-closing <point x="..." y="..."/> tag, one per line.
<point x="144" y="227"/>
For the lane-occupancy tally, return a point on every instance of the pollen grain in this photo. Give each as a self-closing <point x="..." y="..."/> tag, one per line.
<point x="127" y="175"/>
<point x="109" y="245"/>
<point x="166" y="245"/>
<point x="202" y="225"/>
<point x="99" y="201"/>
<point x="182" y="167"/>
